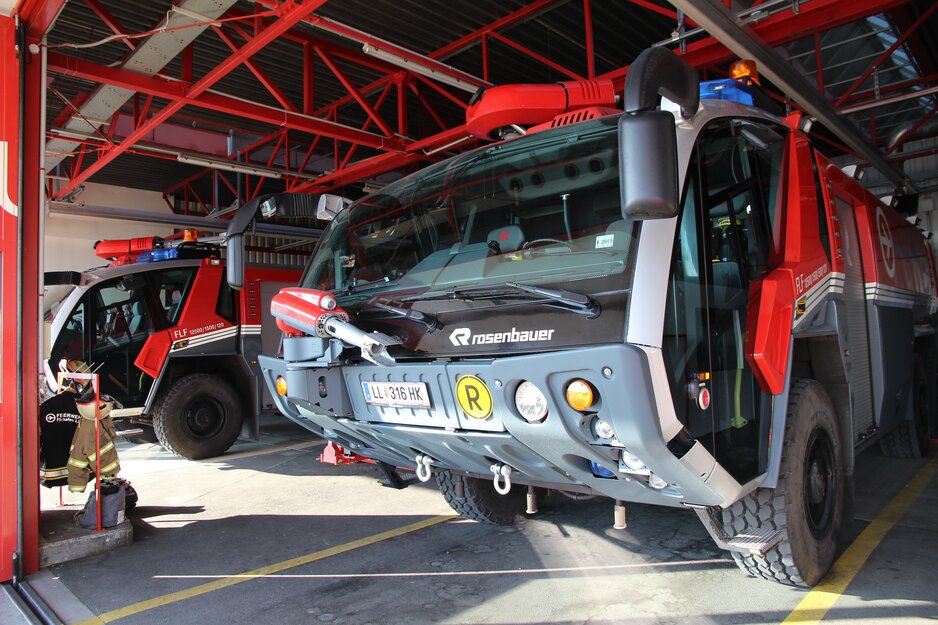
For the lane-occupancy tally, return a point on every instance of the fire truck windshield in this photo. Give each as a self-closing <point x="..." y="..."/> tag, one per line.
<point x="540" y="210"/>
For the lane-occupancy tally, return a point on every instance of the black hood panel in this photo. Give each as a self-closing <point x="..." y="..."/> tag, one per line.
<point x="493" y="327"/>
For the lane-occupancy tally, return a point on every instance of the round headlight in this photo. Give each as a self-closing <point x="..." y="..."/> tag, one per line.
<point x="579" y="395"/>
<point x="281" y="386"/>
<point x="531" y="402"/>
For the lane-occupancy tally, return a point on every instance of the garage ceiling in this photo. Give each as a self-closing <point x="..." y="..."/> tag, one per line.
<point x="209" y="100"/>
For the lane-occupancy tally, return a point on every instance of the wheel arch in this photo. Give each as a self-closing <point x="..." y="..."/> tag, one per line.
<point x="231" y="367"/>
<point x="819" y="358"/>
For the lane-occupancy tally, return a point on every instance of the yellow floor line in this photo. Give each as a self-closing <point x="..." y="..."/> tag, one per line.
<point x="202" y="589"/>
<point x="822" y="597"/>
<point x="266" y="450"/>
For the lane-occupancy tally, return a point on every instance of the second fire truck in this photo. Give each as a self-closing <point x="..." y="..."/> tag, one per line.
<point x="173" y="343"/>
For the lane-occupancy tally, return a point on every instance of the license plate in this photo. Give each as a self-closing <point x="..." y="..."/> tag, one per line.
<point x="396" y="394"/>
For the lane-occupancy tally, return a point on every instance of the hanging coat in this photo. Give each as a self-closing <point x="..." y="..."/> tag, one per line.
<point x="81" y="461"/>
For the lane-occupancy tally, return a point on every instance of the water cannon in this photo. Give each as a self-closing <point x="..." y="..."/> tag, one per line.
<point x="495" y="109"/>
<point x="300" y="311"/>
<point x="125" y="251"/>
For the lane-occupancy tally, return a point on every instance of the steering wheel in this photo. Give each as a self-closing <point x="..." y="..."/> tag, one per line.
<point x="539" y="242"/>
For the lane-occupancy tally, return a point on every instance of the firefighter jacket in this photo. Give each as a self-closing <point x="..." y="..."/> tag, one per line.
<point x="81" y="461"/>
<point x="58" y="419"/>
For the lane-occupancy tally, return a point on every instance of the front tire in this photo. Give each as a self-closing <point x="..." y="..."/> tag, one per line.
<point x="808" y="502"/>
<point x="479" y="501"/>
<point x="200" y="416"/>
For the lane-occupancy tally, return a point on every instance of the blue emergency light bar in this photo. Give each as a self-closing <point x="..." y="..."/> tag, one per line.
<point x="154" y="256"/>
<point x="726" y="89"/>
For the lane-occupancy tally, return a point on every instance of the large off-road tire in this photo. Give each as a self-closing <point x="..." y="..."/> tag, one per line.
<point x="479" y="500"/>
<point x="909" y="439"/>
<point x="199" y="416"/>
<point x="808" y="502"/>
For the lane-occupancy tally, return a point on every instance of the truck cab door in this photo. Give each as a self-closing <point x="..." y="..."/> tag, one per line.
<point x="114" y="320"/>
<point x="726" y="243"/>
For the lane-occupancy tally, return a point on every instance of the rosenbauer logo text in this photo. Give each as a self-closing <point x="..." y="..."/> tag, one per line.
<point x="461" y="337"/>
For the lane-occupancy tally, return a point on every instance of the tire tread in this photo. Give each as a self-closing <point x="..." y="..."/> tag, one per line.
<point x="767" y="508"/>
<point x="478" y="503"/>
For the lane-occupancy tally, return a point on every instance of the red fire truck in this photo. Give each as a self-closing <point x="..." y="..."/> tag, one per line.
<point x="684" y="305"/>
<point x="174" y="344"/>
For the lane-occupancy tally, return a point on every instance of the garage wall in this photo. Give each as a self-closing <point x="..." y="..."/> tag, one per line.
<point x="69" y="240"/>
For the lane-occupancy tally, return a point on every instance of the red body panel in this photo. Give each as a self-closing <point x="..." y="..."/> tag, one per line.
<point x="199" y="316"/>
<point x="893" y="252"/>
<point x="250" y="304"/>
<point x="772" y="304"/>
<point x="153" y="354"/>
<point x="10" y="258"/>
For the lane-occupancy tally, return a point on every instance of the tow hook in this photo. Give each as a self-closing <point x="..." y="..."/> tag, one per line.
<point x="501" y="471"/>
<point x="423" y="467"/>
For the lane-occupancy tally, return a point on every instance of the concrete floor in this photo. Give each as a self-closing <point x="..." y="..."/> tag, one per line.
<point x="200" y="526"/>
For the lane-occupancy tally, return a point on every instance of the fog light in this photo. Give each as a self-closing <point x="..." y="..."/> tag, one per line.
<point x="281" y="386"/>
<point x="656" y="482"/>
<point x="531" y="402"/>
<point x="327" y="302"/>
<point x="580" y="395"/>
<point x="632" y="461"/>
<point x="603" y="429"/>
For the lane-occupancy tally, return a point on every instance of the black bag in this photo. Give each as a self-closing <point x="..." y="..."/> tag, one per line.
<point x="113" y="497"/>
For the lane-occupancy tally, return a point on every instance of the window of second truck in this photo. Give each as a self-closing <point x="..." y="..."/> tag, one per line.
<point x="542" y="209"/>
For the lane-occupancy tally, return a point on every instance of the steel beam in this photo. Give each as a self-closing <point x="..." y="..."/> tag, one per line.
<point x="207" y="224"/>
<point x="149" y="58"/>
<point x="177" y="92"/>
<point x="780" y="28"/>
<point x="742" y="41"/>
<point x="383" y="163"/>
<point x="38" y="15"/>
<point x="293" y="13"/>
<point x="886" y="54"/>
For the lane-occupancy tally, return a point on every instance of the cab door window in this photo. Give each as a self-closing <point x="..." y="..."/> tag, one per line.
<point x="728" y="238"/>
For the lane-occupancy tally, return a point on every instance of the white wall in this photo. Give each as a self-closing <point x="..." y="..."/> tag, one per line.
<point x="69" y="240"/>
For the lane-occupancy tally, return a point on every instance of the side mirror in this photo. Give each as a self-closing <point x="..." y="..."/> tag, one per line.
<point x="285" y="205"/>
<point x="330" y="205"/>
<point x="648" y="179"/>
<point x="235" y="261"/>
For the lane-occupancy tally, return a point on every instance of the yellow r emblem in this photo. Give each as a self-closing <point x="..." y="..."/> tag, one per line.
<point x="474" y="397"/>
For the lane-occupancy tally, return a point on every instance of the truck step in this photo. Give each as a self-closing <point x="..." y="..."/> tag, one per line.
<point x="755" y="542"/>
<point x="130" y="432"/>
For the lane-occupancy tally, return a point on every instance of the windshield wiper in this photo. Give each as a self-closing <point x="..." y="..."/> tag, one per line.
<point x="560" y="298"/>
<point x="578" y="302"/>
<point x="367" y="286"/>
<point x="426" y="319"/>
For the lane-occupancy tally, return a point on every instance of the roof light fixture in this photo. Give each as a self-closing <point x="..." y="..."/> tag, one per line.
<point x="424" y="69"/>
<point x="238" y="168"/>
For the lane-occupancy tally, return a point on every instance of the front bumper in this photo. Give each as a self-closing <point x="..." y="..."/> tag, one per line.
<point x="556" y="452"/>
